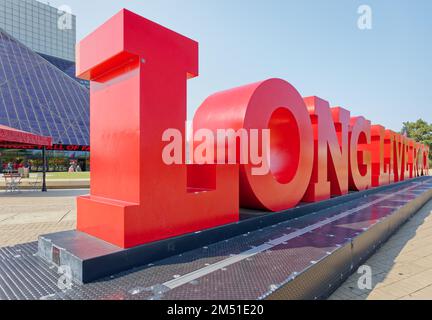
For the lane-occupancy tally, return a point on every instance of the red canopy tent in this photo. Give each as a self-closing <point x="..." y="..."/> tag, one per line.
<point x="15" y="136"/>
<point x="18" y="137"/>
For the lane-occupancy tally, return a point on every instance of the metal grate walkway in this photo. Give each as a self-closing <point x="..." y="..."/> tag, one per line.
<point x="250" y="266"/>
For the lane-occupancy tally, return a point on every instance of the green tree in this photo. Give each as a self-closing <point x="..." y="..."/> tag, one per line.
<point x="421" y="131"/>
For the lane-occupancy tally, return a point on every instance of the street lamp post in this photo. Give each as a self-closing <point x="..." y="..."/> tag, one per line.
<point x="44" y="163"/>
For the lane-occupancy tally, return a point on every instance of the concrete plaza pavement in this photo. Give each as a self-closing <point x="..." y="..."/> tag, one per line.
<point x="26" y="215"/>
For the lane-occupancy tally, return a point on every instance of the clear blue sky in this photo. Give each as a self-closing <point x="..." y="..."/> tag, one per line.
<point x="384" y="74"/>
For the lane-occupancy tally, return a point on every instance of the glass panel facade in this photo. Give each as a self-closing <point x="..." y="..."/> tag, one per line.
<point x="58" y="161"/>
<point x="36" y="25"/>
<point x="38" y="97"/>
<point x="66" y="66"/>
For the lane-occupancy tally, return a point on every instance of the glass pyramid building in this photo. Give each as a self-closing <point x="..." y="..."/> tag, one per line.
<point x="38" y="97"/>
<point x="66" y="66"/>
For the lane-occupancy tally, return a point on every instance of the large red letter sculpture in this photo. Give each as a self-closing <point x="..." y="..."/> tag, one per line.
<point x="360" y="157"/>
<point x="330" y="171"/>
<point x="381" y="157"/>
<point x="139" y="71"/>
<point x="276" y="105"/>
<point x="399" y="157"/>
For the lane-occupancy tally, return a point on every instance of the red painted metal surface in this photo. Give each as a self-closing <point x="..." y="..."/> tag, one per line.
<point x="360" y="166"/>
<point x="138" y="72"/>
<point x="399" y="159"/>
<point x="15" y="136"/>
<point x="331" y="150"/>
<point x="276" y="105"/>
<point x="380" y="167"/>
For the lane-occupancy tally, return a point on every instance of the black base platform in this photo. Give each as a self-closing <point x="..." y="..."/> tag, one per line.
<point x="303" y="253"/>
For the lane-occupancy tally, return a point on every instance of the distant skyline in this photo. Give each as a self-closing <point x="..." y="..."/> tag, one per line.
<point x="383" y="73"/>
